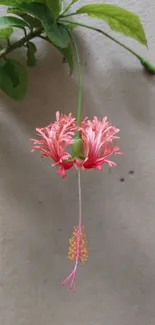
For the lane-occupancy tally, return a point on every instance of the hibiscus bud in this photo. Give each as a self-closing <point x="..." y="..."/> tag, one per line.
<point x="77" y="149"/>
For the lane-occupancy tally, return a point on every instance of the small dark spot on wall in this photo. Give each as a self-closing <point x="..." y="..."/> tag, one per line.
<point x="122" y="179"/>
<point x="59" y="229"/>
<point x="131" y="172"/>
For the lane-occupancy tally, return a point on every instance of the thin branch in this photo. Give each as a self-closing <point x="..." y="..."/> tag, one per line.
<point x="20" y="43"/>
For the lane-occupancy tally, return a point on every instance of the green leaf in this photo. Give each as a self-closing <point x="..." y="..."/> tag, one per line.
<point x="68" y="57"/>
<point x="32" y="22"/>
<point x="57" y="33"/>
<point x="71" y="25"/>
<point x="119" y="20"/>
<point x="37" y="9"/>
<point x="5" y="33"/>
<point x="54" y="5"/>
<point x="7" y="2"/>
<point x="13" y="79"/>
<point x="17" y="2"/>
<point x="2" y="62"/>
<point x="31" y="51"/>
<point x="12" y="21"/>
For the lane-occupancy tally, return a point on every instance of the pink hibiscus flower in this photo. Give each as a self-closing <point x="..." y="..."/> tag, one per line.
<point x="55" y="140"/>
<point x="97" y="137"/>
<point x="91" y="150"/>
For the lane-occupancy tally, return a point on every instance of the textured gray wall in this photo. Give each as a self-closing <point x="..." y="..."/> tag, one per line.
<point x="38" y="209"/>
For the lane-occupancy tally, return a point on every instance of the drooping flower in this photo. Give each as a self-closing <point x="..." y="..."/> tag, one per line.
<point x="97" y="137"/>
<point x="86" y="146"/>
<point x="55" y="140"/>
<point x="78" y="253"/>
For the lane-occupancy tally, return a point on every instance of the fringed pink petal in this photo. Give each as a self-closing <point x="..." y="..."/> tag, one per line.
<point x="61" y="172"/>
<point x="55" y="140"/>
<point x="97" y="136"/>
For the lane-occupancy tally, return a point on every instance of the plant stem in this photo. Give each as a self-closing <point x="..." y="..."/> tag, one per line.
<point x="20" y="43"/>
<point x="80" y="198"/>
<point x="65" y="10"/>
<point x="68" y="15"/>
<point x="62" y="6"/>
<point x="8" y="42"/>
<point x="79" y="108"/>
<point x="105" y="34"/>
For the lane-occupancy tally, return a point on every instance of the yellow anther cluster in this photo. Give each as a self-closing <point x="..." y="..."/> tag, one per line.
<point x="78" y="246"/>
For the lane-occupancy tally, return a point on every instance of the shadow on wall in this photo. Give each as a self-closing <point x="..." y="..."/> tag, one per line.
<point x="128" y="85"/>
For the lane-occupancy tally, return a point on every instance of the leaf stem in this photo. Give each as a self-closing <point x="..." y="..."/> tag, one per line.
<point x="20" y="43"/>
<point x="68" y="15"/>
<point x="105" y="34"/>
<point x="8" y="42"/>
<point x="62" y="5"/>
<point x="65" y="10"/>
<point x="145" y="63"/>
<point x="79" y="108"/>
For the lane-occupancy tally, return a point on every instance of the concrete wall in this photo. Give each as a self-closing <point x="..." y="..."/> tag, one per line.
<point x="38" y="209"/>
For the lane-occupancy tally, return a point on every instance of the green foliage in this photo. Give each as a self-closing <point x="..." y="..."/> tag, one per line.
<point x="5" y="33"/>
<point x="32" y="22"/>
<point x="31" y="51"/>
<point x="17" y="2"/>
<point x="58" y="35"/>
<point x="54" y="5"/>
<point x="118" y="19"/>
<point x="13" y="79"/>
<point x="13" y="21"/>
<point x="43" y="18"/>
<point x="38" y="10"/>
<point x="54" y="31"/>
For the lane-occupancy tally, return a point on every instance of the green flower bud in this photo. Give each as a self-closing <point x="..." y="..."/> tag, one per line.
<point x="77" y="149"/>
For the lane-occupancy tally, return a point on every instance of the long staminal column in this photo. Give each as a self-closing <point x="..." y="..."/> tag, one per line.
<point x="77" y="245"/>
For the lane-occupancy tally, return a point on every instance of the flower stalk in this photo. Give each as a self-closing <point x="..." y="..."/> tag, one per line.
<point x="79" y="107"/>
